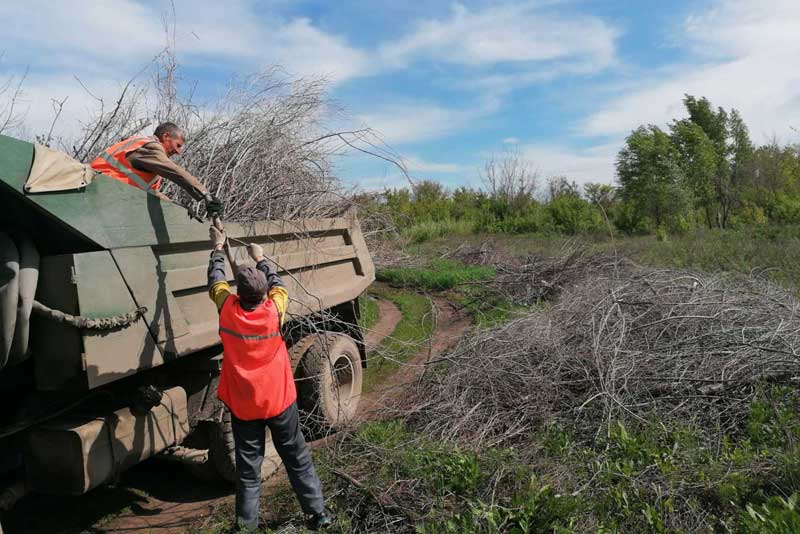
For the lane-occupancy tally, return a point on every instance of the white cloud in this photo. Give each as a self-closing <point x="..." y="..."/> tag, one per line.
<point x="381" y="183"/>
<point x="38" y="92"/>
<point x="592" y="164"/>
<point x="509" y="33"/>
<point x="411" y="122"/>
<point x="97" y="37"/>
<point x="415" y="164"/>
<point x="746" y="58"/>
<point x="510" y="141"/>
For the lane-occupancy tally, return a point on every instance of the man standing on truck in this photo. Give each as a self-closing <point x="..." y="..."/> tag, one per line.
<point x="141" y="161"/>
<point x="257" y="384"/>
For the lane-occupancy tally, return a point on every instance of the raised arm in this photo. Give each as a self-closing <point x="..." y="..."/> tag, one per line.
<point x="276" y="289"/>
<point x="218" y="288"/>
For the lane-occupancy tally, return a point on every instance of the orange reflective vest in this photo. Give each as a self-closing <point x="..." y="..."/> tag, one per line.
<point x="113" y="162"/>
<point x="256" y="380"/>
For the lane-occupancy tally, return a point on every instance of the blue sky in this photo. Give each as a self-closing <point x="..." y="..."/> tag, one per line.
<point x="445" y="83"/>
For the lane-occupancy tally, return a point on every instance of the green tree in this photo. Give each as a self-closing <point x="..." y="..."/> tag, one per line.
<point x="698" y="159"/>
<point x="650" y="178"/>
<point x="722" y="172"/>
<point x="603" y="195"/>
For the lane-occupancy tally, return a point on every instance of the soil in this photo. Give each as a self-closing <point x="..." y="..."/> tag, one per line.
<point x="162" y="497"/>
<point x="451" y="323"/>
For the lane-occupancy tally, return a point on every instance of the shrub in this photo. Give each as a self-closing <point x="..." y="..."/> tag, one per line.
<point x="437" y="276"/>
<point x="785" y="209"/>
<point x="427" y="230"/>
<point x="572" y="215"/>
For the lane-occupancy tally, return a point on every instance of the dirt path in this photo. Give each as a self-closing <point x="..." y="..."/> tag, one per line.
<point x="388" y="317"/>
<point x="161" y="497"/>
<point x="450" y="325"/>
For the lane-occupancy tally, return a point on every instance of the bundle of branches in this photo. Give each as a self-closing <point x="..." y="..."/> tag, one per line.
<point x="262" y="150"/>
<point x="265" y="146"/>
<point x="642" y="347"/>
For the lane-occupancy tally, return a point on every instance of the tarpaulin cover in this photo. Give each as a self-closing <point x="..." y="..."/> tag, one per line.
<point x="55" y="171"/>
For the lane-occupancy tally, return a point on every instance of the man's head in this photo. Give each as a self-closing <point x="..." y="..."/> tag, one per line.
<point x="171" y="137"/>
<point x="251" y="286"/>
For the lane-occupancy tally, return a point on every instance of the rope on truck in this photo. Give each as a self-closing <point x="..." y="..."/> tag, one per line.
<point x="89" y="323"/>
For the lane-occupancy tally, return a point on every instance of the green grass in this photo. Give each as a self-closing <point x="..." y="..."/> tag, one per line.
<point x="438" y="275"/>
<point x="368" y="311"/>
<point x="415" y="327"/>
<point x="427" y="230"/>
<point x="651" y="479"/>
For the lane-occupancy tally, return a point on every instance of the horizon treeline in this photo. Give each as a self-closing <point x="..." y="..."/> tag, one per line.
<point x="702" y="171"/>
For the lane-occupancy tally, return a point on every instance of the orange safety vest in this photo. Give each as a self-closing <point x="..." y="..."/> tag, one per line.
<point x="113" y="162"/>
<point x="256" y="380"/>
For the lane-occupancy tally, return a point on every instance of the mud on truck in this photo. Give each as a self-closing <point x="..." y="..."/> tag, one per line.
<point x="109" y="345"/>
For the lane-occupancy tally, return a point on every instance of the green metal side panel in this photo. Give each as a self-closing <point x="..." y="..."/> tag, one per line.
<point x="150" y="287"/>
<point x="102" y="292"/>
<point x="107" y="212"/>
<point x="88" y="284"/>
<point x="16" y="158"/>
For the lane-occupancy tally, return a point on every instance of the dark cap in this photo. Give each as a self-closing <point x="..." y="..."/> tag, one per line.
<point x="251" y="285"/>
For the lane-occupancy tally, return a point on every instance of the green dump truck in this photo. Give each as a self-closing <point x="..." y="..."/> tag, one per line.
<point x="109" y="349"/>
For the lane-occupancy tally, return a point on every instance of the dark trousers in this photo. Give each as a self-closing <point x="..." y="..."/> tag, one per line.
<point x="291" y="446"/>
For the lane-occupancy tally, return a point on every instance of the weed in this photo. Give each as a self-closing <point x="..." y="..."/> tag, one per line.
<point x="438" y="275"/>
<point x="776" y="516"/>
<point x="428" y="230"/>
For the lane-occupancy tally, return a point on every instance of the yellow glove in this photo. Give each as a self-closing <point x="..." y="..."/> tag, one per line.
<point x="256" y="252"/>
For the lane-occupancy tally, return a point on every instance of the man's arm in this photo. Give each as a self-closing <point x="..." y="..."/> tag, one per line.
<point x="218" y="288"/>
<point x="152" y="158"/>
<point x="276" y="290"/>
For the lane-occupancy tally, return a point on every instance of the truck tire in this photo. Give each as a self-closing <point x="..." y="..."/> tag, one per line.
<point x="222" y="451"/>
<point x="330" y="379"/>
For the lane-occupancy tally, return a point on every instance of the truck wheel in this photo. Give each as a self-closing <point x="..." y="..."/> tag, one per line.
<point x="222" y="451"/>
<point x="330" y="382"/>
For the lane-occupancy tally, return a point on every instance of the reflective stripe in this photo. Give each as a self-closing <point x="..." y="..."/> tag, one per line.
<point x="127" y="172"/>
<point x="132" y="141"/>
<point x="111" y="160"/>
<point x="246" y="336"/>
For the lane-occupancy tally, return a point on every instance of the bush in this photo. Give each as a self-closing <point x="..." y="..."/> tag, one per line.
<point x="572" y="215"/>
<point x="785" y="209"/>
<point x="427" y="230"/>
<point x="626" y="219"/>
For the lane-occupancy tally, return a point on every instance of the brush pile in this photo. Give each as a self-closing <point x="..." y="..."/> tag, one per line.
<point x="633" y="345"/>
<point x="536" y="277"/>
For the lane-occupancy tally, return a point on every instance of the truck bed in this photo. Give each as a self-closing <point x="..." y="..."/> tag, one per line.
<point x="110" y="248"/>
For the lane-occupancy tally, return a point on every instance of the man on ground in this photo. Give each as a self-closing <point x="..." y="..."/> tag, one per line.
<point x="257" y="384"/>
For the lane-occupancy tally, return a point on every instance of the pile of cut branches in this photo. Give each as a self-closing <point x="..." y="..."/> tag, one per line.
<point x="647" y="346"/>
<point x="536" y="277"/>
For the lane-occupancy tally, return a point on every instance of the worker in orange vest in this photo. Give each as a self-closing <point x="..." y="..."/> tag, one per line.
<point x="141" y="161"/>
<point x="257" y="385"/>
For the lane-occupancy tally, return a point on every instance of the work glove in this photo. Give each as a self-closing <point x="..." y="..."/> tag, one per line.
<point x="256" y="252"/>
<point x="217" y="236"/>
<point x="214" y="206"/>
